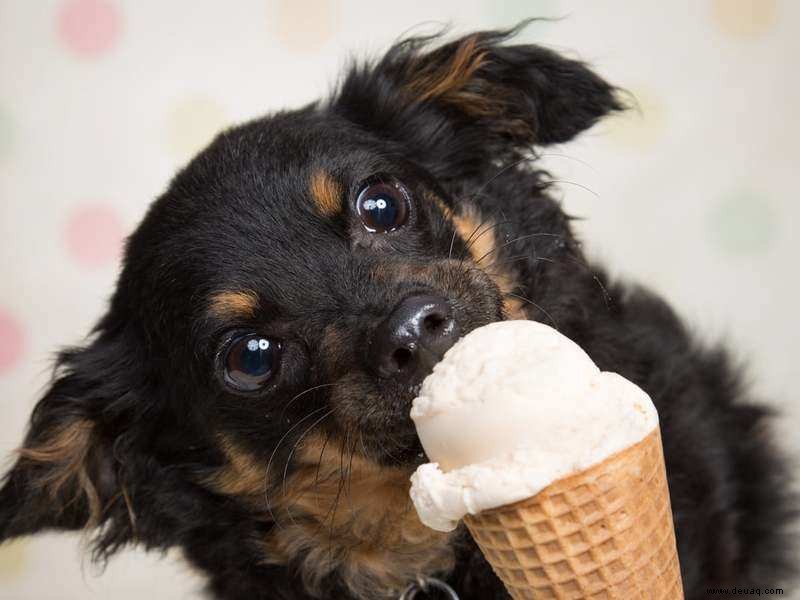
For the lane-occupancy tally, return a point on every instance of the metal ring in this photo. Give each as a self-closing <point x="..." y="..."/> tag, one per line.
<point x="425" y="584"/>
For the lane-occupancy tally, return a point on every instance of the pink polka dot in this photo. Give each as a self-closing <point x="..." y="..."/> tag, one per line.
<point x="12" y="341"/>
<point x="94" y="236"/>
<point x="89" y="28"/>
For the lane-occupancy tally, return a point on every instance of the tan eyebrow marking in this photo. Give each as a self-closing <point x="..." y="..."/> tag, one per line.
<point x="233" y="304"/>
<point x="327" y="193"/>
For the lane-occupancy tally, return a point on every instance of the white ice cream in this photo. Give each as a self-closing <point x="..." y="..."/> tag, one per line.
<point x="512" y="407"/>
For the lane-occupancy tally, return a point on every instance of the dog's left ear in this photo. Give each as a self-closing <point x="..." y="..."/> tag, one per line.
<point x="475" y="94"/>
<point x="67" y="471"/>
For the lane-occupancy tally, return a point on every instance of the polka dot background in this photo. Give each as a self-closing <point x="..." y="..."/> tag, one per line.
<point x="12" y="341"/>
<point x="191" y="124"/>
<point x="745" y="18"/>
<point x="101" y="101"/>
<point x="93" y="236"/>
<point x="89" y="28"/>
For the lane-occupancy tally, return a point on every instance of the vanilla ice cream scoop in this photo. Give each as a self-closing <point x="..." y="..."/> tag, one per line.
<point x="511" y="408"/>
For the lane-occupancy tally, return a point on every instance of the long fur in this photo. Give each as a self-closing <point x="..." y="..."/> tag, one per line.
<point x="300" y="490"/>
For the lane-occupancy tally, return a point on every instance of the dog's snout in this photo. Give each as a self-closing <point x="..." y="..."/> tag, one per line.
<point x="413" y="338"/>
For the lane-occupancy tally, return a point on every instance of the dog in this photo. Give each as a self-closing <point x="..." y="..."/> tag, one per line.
<point x="246" y="396"/>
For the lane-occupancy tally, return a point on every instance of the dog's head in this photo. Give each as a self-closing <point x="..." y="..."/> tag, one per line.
<point x="282" y="301"/>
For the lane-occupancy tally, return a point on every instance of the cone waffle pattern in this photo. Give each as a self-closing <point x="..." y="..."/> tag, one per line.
<point x="604" y="533"/>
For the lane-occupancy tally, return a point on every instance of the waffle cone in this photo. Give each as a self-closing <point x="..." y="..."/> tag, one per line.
<point x="605" y="532"/>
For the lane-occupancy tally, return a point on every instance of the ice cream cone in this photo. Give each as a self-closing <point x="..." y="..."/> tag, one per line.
<point x="605" y="532"/>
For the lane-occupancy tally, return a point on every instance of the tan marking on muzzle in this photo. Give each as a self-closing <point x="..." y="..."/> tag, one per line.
<point x="243" y="476"/>
<point x="479" y="235"/>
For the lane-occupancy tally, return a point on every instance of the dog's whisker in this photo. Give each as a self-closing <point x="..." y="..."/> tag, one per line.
<point x="303" y="393"/>
<point x="452" y="241"/>
<point x="291" y="453"/>
<point x="514" y="241"/>
<point x="352" y="449"/>
<point x="512" y="259"/>
<point x="321" y="522"/>
<point x="587" y="269"/>
<point x="272" y="457"/>
<point x="319" y="466"/>
<point x="529" y="301"/>
<point x="321" y="455"/>
<point x="606" y="296"/>
<point x="363" y="445"/>
<point x="531" y="158"/>
<point x="568" y="157"/>
<point x="508" y="167"/>
<point x="383" y="448"/>
<point x="467" y="242"/>
<point x="487" y="230"/>
<point x="335" y="505"/>
<point x="576" y="184"/>
<point x="495" y="267"/>
<point x="471" y="242"/>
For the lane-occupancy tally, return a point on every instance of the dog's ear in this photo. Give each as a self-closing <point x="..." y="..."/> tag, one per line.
<point x="474" y="95"/>
<point x="66" y="474"/>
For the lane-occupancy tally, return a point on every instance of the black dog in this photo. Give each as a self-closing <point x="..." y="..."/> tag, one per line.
<point x="246" y="396"/>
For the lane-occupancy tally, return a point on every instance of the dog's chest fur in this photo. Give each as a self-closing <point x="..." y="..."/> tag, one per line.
<point x="340" y="518"/>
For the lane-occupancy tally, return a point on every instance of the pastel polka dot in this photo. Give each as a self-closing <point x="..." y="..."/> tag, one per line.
<point x="192" y="124"/>
<point x="89" y="28"/>
<point x="641" y="127"/>
<point x="94" y="236"/>
<point x="12" y="341"/>
<point x="304" y="27"/>
<point x="511" y="12"/>
<point x="13" y="560"/>
<point x="742" y="223"/>
<point x="744" y="18"/>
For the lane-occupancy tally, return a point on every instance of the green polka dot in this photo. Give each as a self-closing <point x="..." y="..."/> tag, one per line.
<point x="13" y="560"/>
<point x="742" y="224"/>
<point x="509" y="13"/>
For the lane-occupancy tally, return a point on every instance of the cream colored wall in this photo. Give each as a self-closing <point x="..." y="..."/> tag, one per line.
<point x="102" y="100"/>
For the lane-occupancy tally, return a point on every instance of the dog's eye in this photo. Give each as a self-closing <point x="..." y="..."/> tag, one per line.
<point x="383" y="204"/>
<point x="250" y="361"/>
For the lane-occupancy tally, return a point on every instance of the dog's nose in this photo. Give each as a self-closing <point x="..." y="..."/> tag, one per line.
<point x="413" y="338"/>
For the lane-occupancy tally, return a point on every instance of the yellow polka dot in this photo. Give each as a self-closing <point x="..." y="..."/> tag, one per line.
<point x="192" y="124"/>
<point x="13" y="559"/>
<point x="744" y="18"/>
<point x="640" y="127"/>
<point x="304" y="26"/>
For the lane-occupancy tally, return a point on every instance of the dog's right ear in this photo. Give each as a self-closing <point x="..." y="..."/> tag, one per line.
<point x="67" y="475"/>
<point x="474" y="99"/>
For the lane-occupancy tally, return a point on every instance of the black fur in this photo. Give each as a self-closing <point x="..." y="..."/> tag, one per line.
<point x="239" y="217"/>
